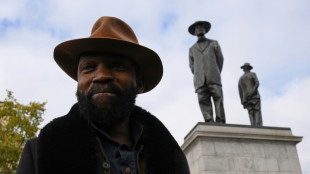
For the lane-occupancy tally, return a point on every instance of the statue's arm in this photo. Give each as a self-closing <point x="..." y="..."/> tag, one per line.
<point x="191" y="61"/>
<point x="256" y="82"/>
<point x="219" y="56"/>
<point x="240" y="92"/>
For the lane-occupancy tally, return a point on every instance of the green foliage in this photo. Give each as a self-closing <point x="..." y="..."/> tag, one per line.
<point x="18" y="124"/>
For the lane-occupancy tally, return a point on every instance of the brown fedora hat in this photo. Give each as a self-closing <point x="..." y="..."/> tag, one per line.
<point x="205" y="24"/>
<point x="111" y="35"/>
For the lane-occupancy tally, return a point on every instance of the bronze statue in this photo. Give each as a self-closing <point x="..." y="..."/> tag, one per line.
<point x="249" y="95"/>
<point x="206" y="62"/>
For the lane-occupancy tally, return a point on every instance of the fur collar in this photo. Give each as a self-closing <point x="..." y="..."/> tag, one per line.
<point x="68" y="145"/>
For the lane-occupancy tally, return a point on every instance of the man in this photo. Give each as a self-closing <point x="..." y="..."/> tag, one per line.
<point x="105" y="132"/>
<point x="206" y="62"/>
<point x="249" y="95"/>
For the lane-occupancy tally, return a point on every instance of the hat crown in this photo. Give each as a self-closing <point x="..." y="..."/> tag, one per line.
<point x="246" y="65"/>
<point x="113" y="28"/>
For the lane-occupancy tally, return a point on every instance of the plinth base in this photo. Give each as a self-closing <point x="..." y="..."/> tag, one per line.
<point x="239" y="149"/>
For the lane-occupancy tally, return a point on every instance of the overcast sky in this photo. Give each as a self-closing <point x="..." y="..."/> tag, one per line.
<point x="274" y="36"/>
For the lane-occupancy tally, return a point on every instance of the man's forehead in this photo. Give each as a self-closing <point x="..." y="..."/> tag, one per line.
<point x="109" y="56"/>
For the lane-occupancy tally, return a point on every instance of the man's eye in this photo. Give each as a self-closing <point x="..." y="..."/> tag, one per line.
<point x="86" y="67"/>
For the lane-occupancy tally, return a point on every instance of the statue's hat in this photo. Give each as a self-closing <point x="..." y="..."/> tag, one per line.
<point x="205" y="24"/>
<point x="111" y="35"/>
<point x="247" y="65"/>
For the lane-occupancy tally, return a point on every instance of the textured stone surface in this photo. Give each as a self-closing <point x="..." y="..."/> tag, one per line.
<point x="236" y="172"/>
<point x="241" y="150"/>
<point x="292" y="151"/>
<point x="244" y="163"/>
<point x="208" y="148"/>
<point x="266" y="165"/>
<point x="215" y="172"/>
<point x="194" y="167"/>
<point x="255" y="173"/>
<point x="289" y="165"/>
<point x="254" y="148"/>
<point x="198" y="150"/>
<point x="275" y="150"/>
<point x="213" y="163"/>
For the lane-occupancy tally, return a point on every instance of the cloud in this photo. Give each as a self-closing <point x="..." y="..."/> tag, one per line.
<point x="292" y="106"/>
<point x="11" y="9"/>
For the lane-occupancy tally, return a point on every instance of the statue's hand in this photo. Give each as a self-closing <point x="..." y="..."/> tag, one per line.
<point x="252" y="93"/>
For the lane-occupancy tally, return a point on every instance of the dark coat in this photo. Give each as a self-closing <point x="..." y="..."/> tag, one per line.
<point x="248" y="89"/>
<point x="68" y="145"/>
<point x="206" y="62"/>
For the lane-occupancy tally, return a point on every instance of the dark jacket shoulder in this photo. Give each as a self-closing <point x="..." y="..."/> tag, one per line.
<point x="68" y="145"/>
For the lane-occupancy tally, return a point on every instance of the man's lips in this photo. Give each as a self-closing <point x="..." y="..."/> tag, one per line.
<point x="104" y="92"/>
<point x="108" y="94"/>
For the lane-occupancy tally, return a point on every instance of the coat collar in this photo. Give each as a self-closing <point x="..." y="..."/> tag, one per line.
<point x="202" y="46"/>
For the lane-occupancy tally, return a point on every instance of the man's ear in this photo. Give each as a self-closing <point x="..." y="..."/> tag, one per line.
<point x="140" y="84"/>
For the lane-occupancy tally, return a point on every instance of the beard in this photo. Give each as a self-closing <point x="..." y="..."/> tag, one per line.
<point x="106" y="117"/>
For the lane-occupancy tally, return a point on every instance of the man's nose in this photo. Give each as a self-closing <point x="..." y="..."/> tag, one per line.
<point x="103" y="74"/>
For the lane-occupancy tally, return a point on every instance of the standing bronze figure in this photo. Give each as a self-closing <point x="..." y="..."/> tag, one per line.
<point x="206" y="62"/>
<point x="249" y="95"/>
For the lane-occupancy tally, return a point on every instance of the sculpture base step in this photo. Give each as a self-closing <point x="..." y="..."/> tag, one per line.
<point x="238" y="149"/>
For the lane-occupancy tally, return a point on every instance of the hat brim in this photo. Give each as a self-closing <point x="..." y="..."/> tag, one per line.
<point x="191" y="29"/>
<point x="67" y="56"/>
<point x="242" y="67"/>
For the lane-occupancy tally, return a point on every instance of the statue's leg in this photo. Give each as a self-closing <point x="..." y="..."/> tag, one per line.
<point x="204" y="98"/>
<point x="217" y="95"/>
<point x="258" y="121"/>
<point x="251" y="116"/>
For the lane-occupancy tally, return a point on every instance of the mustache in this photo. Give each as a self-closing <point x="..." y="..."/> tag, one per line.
<point x="103" y="88"/>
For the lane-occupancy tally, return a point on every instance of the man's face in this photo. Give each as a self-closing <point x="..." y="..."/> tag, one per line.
<point x="107" y="87"/>
<point x="98" y="73"/>
<point x="200" y="30"/>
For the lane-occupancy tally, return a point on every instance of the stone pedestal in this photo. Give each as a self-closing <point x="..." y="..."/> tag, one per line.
<point x="239" y="149"/>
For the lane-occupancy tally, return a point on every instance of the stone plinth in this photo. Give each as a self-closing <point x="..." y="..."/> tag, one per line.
<point x="239" y="149"/>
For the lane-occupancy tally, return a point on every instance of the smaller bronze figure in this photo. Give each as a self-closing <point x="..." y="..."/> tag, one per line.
<point x="206" y="63"/>
<point x="249" y="95"/>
